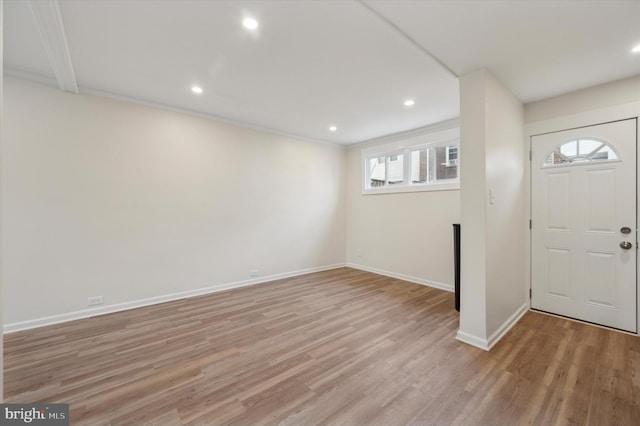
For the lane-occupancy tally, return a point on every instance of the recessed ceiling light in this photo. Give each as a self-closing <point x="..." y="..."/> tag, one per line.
<point x="250" y="23"/>
<point x="636" y="49"/>
<point x="409" y="102"/>
<point x="196" y="89"/>
<point x="333" y="128"/>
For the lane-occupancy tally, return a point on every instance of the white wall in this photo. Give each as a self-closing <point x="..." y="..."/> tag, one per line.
<point x="507" y="221"/>
<point x="406" y="235"/>
<point x="594" y="98"/>
<point x="493" y="284"/>
<point x="473" y="189"/>
<point x="1" y="201"/>
<point x="103" y="197"/>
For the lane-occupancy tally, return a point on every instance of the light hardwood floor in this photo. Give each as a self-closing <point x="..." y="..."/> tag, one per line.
<point x="336" y="347"/>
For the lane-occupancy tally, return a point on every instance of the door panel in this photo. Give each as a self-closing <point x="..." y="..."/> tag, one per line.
<point x="558" y="272"/>
<point x="583" y="191"/>
<point x="558" y="201"/>
<point x="600" y="279"/>
<point x="601" y="201"/>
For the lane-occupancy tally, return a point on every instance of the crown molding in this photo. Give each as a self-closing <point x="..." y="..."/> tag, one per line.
<point x="425" y="130"/>
<point x="109" y="95"/>
<point x="206" y="116"/>
<point x="12" y="72"/>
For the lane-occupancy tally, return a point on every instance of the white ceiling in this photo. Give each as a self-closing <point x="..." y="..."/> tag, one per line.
<point x="537" y="48"/>
<point x="312" y="64"/>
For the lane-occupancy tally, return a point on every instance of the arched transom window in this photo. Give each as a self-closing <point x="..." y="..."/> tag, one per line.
<point x="580" y="151"/>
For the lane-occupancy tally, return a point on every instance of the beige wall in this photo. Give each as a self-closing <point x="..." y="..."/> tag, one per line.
<point x="108" y="198"/>
<point x="602" y="96"/>
<point x="493" y="284"/>
<point x="113" y="199"/>
<point x="406" y="235"/>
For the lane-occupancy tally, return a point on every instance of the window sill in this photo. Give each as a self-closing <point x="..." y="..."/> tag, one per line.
<point x="445" y="186"/>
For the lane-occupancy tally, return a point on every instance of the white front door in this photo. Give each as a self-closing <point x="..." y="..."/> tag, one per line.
<point x="583" y="211"/>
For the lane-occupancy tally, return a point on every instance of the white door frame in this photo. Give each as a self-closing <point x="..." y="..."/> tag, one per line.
<point x="588" y="118"/>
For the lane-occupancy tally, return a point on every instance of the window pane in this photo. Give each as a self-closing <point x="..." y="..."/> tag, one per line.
<point x="604" y="153"/>
<point x="556" y="157"/>
<point x="587" y="146"/>
<point x="419" y="166"/>
<point x="446" y="162"/>
<point x="377" y="171"/>
<point x="580" y="151"/>
<point x="569" y="149"/>
<point x="452" y="154"/>
<point x="396" y="170"/>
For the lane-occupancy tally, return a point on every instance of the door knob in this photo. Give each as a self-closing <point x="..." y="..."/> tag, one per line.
<point x="626" y="245"/>
<point x="625" y="230"/>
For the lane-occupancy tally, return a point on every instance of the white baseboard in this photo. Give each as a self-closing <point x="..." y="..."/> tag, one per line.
<point x="86" y="313"/>
<point x="472" y="340"/>
<point x="488" y="343"/>
<point x="441" y="286"/>
<point x="508" y="324"/>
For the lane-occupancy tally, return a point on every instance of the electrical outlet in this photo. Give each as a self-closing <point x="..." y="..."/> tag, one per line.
<point x="358" y="254"/>
<point x="94" y="300"/>
<point x="253" y="273"/>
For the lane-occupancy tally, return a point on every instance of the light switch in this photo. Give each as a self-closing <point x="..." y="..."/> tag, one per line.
<point x="492" y="196"/>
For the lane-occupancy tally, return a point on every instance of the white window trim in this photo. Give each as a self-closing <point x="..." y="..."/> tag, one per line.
<point x="405" y="146"/>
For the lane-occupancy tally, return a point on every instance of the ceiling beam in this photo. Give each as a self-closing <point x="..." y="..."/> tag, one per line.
<point x="409" y="38"/>
<point x="49" y="21"/>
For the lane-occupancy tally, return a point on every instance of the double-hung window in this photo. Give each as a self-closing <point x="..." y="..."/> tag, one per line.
<point x="428" y="162"/>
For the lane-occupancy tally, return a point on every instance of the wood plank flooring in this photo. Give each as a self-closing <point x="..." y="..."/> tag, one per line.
<point x="336" y="347"/>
